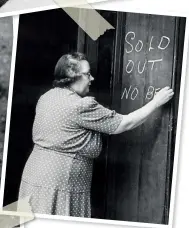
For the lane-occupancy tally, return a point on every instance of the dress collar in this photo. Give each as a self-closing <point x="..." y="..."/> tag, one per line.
<point x="72" y="90"/>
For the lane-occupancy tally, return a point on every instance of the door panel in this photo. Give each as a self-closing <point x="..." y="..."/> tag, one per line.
<point x="139" y="158"/>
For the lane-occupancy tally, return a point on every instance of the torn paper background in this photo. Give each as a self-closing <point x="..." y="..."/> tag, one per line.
<point x="11" y="6"/>
<point x="183" y="196"/>
<point x="89" y="20"/>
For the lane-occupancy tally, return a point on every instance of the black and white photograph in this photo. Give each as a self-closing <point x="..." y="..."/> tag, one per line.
<point x="2" y="2"/>
<point x="6" y="38"/>
<point x="93" y="124"/>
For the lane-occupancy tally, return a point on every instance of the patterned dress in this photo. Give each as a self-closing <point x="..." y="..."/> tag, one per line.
<point x="67" y="137"/>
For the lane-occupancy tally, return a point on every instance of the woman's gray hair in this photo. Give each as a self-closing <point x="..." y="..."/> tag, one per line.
<point x="67" y="69"/>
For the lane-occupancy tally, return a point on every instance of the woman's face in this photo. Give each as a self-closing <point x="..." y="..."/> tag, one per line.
<point x="86" y="78"/>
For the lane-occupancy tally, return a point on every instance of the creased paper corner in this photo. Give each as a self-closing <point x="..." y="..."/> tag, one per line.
<point x="16" y="213"/>
<point x="85" y="16"/>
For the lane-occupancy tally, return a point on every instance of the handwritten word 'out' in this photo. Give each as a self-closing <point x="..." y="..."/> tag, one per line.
<point x="132" y="93"/>
<point x="163" y="43"/>
<point x="140" y="68"/>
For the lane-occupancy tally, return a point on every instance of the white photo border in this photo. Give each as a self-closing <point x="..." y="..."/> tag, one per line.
<point x="179" y="120"/>
<point x="44" y="7"/>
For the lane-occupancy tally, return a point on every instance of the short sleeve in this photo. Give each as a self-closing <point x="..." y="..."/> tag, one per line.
<point x="93" y="116"/>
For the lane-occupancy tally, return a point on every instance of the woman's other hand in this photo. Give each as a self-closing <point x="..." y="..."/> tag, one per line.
<point x="163" y="96"/>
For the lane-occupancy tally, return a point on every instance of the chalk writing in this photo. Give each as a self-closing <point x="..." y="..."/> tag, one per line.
<point x="139" y="44"/>
<point x="151" y="92"/>
<point x="132" y="93"/>
<point x="163" y="43"/>
<point x="130" y="62"/>
<point x="150" y="46"/>
<point x="166" y="45"/>
<point x="132" y="38"/>
<point x="141" y="62"/>
<point x="140" y="69"/>
<point x="154" y="61"/>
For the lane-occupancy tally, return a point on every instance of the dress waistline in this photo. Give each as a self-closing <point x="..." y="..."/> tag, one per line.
<point x="61" y="153"/>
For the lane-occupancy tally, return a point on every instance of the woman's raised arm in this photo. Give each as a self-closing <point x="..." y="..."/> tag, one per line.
<point x="136" y="118"/>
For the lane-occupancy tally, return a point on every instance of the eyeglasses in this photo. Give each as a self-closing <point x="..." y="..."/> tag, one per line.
<point x="87" y="74"/>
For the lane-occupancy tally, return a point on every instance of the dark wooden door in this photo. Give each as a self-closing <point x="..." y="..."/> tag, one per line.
<point x="140" y="161"/>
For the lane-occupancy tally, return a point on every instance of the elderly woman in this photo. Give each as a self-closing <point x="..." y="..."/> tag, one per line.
<point x="67" y="137"/>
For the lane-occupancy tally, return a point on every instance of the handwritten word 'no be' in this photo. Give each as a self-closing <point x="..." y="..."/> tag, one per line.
<point x="132" y="93"/>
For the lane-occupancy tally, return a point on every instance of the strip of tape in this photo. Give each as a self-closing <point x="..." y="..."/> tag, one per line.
<point x="85" y="16"/>
<point x="16" y="213"/>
